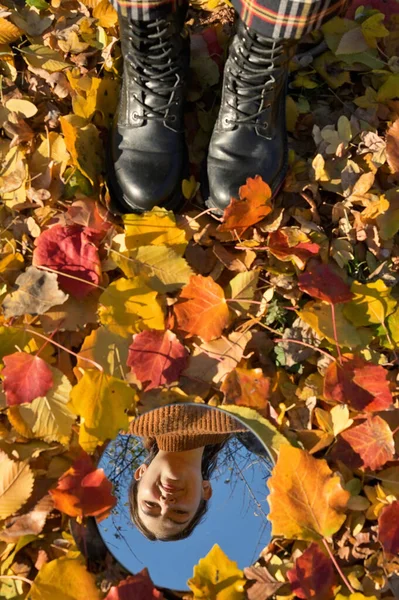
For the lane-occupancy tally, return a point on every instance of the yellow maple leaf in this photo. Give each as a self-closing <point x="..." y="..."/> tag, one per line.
<point x="156" y="227"/>
<point x="128" y="306"/>
<point x="216" y="577"/>
<point x="297" y="484"/>
<point x="100" y="400"/>
<point x="65" y="578"/>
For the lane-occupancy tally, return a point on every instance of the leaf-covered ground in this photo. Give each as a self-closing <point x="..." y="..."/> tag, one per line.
<point x="285" y="313"/>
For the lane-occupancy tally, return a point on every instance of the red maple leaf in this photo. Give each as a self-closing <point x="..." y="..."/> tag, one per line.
<point x="278" y="244"/>
<point x="312" y="577"/>
<point x="360" y="384"/>
<point x="388" y="528"/>
<point x="139" y="587"/>
<point x="84" y="491"/>
<point x="26" y="377"/>
<point x="322" y="283"/>
<point x="157" y="358"/>
<point x="253" y="206"/>
<point x="372" y="440"/>
<point x="71" y="250"/>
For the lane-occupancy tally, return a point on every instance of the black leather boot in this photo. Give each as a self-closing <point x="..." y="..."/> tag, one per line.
<point x="249" y="137"/>
<point x="147" y="152"/>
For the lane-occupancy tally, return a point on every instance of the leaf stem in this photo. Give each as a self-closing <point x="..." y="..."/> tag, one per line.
<point x="95" y="285"/>
<point x="44" y="337"/>
<point x="17" y="577"/>
<point x="336" y="565"/>
<point x="276" y="341"/>
<point x="334" y="324"/>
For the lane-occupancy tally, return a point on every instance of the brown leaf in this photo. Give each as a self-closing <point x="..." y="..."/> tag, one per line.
<point x="31" y="523"/>
<point x="372" y="441"/>
<point x="264" y="585"/>
<point x="392" y="148"/>
<point x="247" y="387"/>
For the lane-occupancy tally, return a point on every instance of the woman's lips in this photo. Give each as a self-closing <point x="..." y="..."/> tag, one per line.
<point x="170" y="488"/>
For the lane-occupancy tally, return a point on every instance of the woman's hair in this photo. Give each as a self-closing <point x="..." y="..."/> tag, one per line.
<point x="209" y="463"/>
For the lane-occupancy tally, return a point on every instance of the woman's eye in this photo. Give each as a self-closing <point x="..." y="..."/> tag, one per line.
<point x="150" y="504"/>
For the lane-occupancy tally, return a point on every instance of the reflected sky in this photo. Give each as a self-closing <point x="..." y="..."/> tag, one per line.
<point x="236" y="518"/>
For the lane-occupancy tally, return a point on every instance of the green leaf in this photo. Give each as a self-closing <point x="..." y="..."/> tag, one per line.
<point x="39" y="4"/>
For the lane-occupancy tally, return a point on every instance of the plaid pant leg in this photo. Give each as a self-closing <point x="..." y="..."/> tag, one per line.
<point x="147" y="10"/>
<point x="287" y="19"/>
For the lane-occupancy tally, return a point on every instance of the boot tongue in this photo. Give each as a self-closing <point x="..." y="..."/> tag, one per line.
<point x="248" y="80"/>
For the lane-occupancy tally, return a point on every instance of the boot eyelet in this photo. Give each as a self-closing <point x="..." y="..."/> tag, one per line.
<point x="136" y="116"/>
<point x="227" y="121"/>
<point x="172" y="118"/>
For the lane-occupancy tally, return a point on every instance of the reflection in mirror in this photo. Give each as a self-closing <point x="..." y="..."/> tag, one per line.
<point x="187" y="477"/>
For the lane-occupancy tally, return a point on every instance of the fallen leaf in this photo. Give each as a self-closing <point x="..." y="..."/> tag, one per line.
<point x="392" y="148"/>
<point x="157" y="358"/>
<point x="313" y="576"/>
<point x="84" y="491"/>
<point x="100" y="400"/>
<point x="322" y="283"/>
<point x="216" y="576"/>
<point x="84" y="145"/>
<point x="156" y="227"/>
<point x="359" y="383"/>
<point x="106" y="14"/>
<point x="105" y="348"/>
<point x="31" y="523"/>
<point x="297" y="483"/>
<point x="128" y="306"/>
<point x="16" y="483"/>
<point x="254" y="204"/>
<point x="247" y="387"/>
<point x="373" y="441"/>
<point x="71" y="251"/>
<point x="25" y="378"/>
<point x="65" y="578"/>
<point x="139" y="587"/>
<point x="165" y="269"/>
<point x="388" y="528"/>
<point x="264" y="585"/>
<point x="318" y="316"/>
<point x="37" y="291"/>
<point x="202" y="309"/>
<point x="291" y="244"/>
<point x="371" y="303"/>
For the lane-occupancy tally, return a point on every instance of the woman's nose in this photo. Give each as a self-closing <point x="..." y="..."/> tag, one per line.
<point x="168" y="498"/>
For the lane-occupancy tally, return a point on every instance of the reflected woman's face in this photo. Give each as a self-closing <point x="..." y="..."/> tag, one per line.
<point x="170" y="491"/>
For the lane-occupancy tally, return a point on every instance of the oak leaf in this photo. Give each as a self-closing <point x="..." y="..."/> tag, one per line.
<point x="388" y="528"/>
<point x="322" y="283"/>
<point x="291" y="244"/>
<point x="65" y="578"/>
<point x="254" y="204"/>
<point x="70" y="251"/>
<point x="313" y="576"/>
<point x="26" y="377"/>
<point x="202" y="309"/>
<point x="128" y="306"/>
<point x="373" y="441"/>
<point x="139" y="587"/>
<point x="216" y="577"/>
<point x="297" y="483"/>
<point x="359" y="383"/>
<point x="16" y="483"/>
<point x="84" y="491"/>
<point x="100" y="400"/>
<point x="157" y="358"/>
<point x="247" y="387"/>
<point x="37" y="291"/>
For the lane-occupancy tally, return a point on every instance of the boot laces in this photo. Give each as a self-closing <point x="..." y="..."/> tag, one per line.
<point x="252" y="79"/>
<point x="156" y="70"/>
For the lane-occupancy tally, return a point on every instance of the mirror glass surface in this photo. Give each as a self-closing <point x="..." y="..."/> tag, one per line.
<point x="197" y="459"/>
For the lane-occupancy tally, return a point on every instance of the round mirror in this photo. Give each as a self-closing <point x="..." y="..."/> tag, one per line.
<point x="187" y="477"/>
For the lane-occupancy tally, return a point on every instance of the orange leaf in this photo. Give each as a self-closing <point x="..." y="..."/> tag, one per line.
<point x="360" y="384"/>
<point x="392" y="149"/>
<point x="307" y="500"/>
<point x="313" y="576"/>
<point x="202" y="309"/>
<point x="253" y="206"/>
<point x="26" y="377"/>
<point x="322" y="283"/>
<point x="84" y="491"/>
<point x="247" y="387"/>
<point x="388" y="528"/>
<point x="372" y="441"/>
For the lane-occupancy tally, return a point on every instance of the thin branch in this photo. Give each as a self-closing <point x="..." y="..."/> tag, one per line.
<point x="95" y="285"/>
<point x="336" y="565"/>
<point x="17" y="577"/>
<point x="334" y="324"/>
<point x="282" y="340"/>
